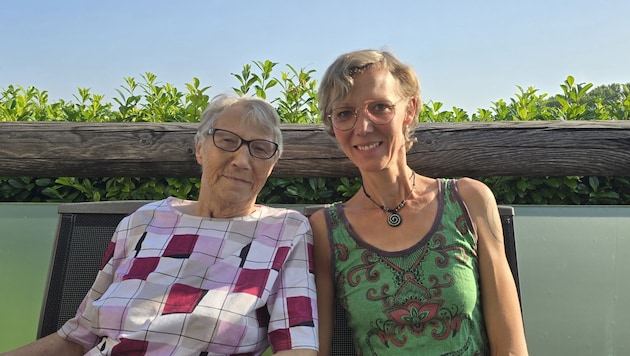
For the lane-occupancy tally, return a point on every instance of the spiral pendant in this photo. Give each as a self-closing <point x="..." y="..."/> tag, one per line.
<point x="394" y="219"/>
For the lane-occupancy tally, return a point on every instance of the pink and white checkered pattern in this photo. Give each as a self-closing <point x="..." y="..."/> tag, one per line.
<point x="176" y="284"/>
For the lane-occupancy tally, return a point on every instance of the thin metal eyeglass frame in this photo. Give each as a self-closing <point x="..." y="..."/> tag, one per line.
<point x="242" y="142"/>
<point x="367" y="114"/>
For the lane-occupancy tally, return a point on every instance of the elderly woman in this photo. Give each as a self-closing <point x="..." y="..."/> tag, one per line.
<point x="217" y="276"/>
<point x="417" y="262"/>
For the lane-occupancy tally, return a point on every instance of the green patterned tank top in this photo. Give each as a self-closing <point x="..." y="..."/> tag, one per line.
<point x="424" y="300"/>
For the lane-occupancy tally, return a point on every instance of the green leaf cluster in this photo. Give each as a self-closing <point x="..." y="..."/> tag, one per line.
<point x="576" y="102"/>
<point x="293" y="92"/>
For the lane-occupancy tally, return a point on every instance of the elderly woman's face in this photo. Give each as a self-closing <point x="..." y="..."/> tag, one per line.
<point x="233" y="177"/>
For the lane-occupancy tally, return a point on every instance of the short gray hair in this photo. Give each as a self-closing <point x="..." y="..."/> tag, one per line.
<point x="259" y="111"/>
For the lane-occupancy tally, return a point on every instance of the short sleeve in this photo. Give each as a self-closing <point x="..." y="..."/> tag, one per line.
<point x="293" y="303"/>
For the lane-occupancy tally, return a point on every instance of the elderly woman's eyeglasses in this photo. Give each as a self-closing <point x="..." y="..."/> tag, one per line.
<point x="377" y="111"/>
<point x="231" y="142"/>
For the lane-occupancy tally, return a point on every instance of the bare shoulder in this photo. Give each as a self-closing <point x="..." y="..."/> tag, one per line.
<point x="482" y="207"/>
<point x="317" y="217"/>
<point x="321" y="247"/>
<point x="477" y="196"/>
<point x="318" y="224"/>
<point x="473" y="189"/>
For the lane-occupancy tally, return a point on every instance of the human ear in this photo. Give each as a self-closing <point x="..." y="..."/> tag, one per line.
<point x="411" y="110"/>
<point x="198" y="153"/>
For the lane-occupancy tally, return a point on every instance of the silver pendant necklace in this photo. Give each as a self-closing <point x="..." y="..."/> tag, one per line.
<point x="393" y="219"/>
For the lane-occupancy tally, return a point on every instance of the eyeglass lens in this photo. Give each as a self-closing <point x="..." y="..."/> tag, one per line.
<point x="344" y="118"/>
<point x="231" y="142"/>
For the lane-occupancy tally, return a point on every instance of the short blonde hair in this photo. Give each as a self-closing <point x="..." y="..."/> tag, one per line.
<point x="338" y="82"/>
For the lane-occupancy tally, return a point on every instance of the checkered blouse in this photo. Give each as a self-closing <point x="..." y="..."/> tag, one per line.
<point x="176" y="284"/>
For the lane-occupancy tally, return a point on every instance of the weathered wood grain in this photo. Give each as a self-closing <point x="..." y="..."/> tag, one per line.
<point x="540" y="148"/>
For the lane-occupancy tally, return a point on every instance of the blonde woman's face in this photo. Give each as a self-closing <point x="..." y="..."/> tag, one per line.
<point x="368" y="144"/>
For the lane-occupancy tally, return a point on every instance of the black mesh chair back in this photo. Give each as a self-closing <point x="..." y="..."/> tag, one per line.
<point x="83" y="233"/>
<point x="85" y="230"/>
<point x="507" y="222"/>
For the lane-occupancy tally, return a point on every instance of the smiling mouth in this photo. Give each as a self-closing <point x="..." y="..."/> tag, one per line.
<point x="367" y="147"/>
<point x="236" y="179"/>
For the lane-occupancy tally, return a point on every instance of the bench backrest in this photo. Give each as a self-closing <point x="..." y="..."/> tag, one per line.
<point x="85" y="230"/>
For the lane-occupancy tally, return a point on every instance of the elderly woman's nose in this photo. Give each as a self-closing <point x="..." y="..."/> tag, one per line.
<point x="241" y="155"/>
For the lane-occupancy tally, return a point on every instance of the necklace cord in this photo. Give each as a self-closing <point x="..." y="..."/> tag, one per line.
<point x="399" y="206"/>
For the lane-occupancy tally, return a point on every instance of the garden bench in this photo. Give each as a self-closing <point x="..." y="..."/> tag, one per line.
<point x="85" y="230"/>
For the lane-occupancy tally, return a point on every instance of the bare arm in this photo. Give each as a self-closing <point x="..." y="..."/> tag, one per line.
<point x="52" y="344"/>
<point x="502" y="311"/>
<point x="324" y="282"/>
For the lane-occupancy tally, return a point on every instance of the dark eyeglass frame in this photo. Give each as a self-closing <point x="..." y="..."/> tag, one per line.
<point x="241" y="142"/>
<point x="368" y="114"/>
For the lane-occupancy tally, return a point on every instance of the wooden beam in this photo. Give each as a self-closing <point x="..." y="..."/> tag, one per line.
<point x="533" y="148"/>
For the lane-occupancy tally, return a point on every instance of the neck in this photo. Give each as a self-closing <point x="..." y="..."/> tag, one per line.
<point x="400" y="201"/>
<point x="221" y="211"/>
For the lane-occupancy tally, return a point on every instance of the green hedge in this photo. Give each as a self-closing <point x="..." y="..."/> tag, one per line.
<point x="295" y="99"/>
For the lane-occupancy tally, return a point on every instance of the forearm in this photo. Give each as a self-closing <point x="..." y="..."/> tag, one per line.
<point x="503" y="319"/>
<point x="514" y="350"/>
<point x="512" y="344"/>
<point x="52" y="344"/>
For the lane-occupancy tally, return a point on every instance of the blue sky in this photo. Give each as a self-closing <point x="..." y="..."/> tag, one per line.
<point x="468" y="54"/>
